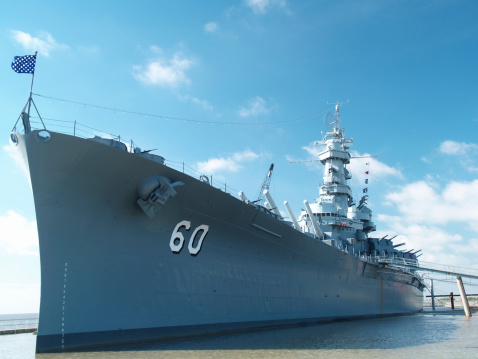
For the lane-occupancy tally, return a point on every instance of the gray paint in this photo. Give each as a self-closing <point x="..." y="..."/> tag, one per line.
<point x="107" y="267"/>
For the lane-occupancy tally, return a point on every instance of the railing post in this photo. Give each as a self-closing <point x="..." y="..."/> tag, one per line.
<point x="432" y="292"/>
<point x="452" y="300"/>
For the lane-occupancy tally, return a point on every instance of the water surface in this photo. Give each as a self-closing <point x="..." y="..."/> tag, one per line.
<point x="424" y="335"/>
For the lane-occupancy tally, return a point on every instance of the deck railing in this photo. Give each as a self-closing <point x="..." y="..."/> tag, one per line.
<point x="77" y="129"/>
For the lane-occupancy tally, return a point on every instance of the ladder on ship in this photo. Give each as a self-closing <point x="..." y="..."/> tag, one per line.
<point x="457" y="272"/>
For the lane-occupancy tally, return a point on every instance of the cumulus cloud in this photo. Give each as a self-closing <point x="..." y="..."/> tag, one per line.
<point x="421" y="202"/>
<point x="437" y="244"/>
<point x="465" y="153"/>
<point x="18" y="235"/>
<point x="441" y="221"/>
<point x="211" y="27"/>
<point x="419" y="236"/>
<point x="202" y="103"/>
<point x="262" y="6"/>
<point x="205" y="105"/>
<point x="44" y="43"/>
<point x="17" y="158"/>
<point x="256" y="106"/>
<point x="165" y="72"/>
<point x="232" y="163"/>
<point x="362" y="163"/>
<point x="458" y="148"/>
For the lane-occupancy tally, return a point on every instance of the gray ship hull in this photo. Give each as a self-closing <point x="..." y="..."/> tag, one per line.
<point x="111" y="274"/>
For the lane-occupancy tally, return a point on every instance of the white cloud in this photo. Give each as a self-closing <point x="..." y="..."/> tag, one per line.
<point x="457" y="148"/>
<point x="205" y="105"/>
<point x="420" y="202"/>
<point x="165" y="73"/>
<point x="232" y="163"/>
<point x="466" y="153"/>
<point x="425" y="159"/>
<point x="443" y="222"/>
<point x="361" y="163"/>
<point x="156" y="49"/>
<point x="44" y="43"/>
<point x="262" y="6"/>
<point x="419" y="236"/>
<point x="437" y="244"/>
<point x="202" y="103"/>
<point x="246" y="155"/>
<point x="17" y="157"/>
<point x="211" y="27"/>
<point x="257" y="106"/>
<point x="18" y="235"/>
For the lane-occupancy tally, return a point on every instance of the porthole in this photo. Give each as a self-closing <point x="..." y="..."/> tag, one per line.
<point x="43" y="136"/>
<point x="14" y="139"/>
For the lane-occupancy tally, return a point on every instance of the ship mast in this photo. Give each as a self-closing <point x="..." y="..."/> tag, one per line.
<point x="335" y="194"/>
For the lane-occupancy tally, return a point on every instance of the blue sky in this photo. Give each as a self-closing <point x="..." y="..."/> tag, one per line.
<point x="407" y="68"/>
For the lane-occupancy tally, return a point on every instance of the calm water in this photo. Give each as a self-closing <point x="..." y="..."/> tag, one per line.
<point x="425" y="335"/>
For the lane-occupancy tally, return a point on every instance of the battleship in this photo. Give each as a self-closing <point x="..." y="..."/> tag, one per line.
<point x="132" y="249"/>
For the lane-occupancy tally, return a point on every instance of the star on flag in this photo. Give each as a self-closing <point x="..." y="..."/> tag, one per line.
<point x="24" y="64"/>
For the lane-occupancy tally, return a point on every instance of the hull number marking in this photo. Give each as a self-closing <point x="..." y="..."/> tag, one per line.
<point x="177" y="238"/>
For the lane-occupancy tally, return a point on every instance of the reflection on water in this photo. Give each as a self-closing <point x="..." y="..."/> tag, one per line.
<point x="419" y="336"/>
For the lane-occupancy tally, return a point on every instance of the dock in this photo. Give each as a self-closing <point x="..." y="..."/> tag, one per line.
<point x="18" y="326"/>
<point x="17" y="331"/>
<point x="458" y="272"/>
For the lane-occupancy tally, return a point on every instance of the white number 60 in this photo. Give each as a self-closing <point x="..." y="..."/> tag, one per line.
<point x="177" y="238"/>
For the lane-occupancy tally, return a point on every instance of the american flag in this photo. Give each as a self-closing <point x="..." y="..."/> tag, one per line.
<point x="24" y="64"/>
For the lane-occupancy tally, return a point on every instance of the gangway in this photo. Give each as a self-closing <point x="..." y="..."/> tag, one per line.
<point x="415" y="265"/>
<point x="429" y="267"/>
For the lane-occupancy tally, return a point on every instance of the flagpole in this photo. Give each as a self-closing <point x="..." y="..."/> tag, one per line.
<point x="31" y="88"/>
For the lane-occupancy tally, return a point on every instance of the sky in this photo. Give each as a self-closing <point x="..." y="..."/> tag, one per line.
<point x="229" y="87"/>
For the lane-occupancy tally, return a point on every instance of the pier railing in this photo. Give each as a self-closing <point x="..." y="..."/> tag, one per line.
<point x="430" y="267"/>
<point x="22" y="325"/>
